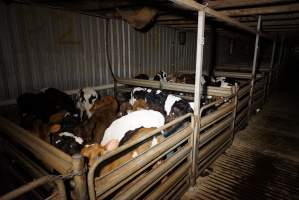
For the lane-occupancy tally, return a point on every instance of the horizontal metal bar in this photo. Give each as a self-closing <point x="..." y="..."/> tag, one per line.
<point x="28" y="187"/>
<point x="156" y="174"/>
<point x="258" y="94"/>
<point x="69" y="92"/>
<point x="213" y="156"/>
<point x="244" y="90"/>
<point x="171" y="181"/>
<point x="237" y="75"/>
<point x="132" y="166"/>
<point x="204" y="151"/>
<point x="242" y="103"/>
<point x="242" y="115"/>
<point x="179" y="189"/>
<point x="216" y="116"/>
<point x="214" y="91"/>
<point x="214" y="131"/>
<point x="47" y="153"/>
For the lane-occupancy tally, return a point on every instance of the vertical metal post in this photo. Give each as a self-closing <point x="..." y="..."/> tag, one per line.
<point x="80" y="188"/>
<point x="198" y="91"/>
<point x="236" y="92"/>
<point x="271" y="68"/>
<point x="281" y="51"/>
<point x="256" y="51"/>
<point x="279" y="58"/>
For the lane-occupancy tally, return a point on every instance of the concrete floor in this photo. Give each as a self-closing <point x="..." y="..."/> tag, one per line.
<point x="275" y="130"/>
<point x="263" y="162"/>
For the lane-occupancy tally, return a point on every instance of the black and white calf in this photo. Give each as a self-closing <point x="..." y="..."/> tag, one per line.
<point x="68" y="142"/>
<point x="85" y="100"/>
<point x="161" y="76"/>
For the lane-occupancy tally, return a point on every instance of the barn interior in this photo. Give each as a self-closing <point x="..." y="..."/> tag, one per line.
<point x="240" y="144"/>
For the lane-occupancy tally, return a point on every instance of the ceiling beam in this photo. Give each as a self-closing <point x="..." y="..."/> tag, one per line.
<point x="277" y="22"/>
<point x="178" y="22"/>
<point x="222" y="4"/>
<point x="193" y="5"/>
<point x="169" y="18"/>
<point x="270" y="17"/>
<point x="294" y="7"/>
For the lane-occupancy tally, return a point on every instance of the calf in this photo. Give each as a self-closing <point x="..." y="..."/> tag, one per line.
<point x="44" y="104"/>
<point x="67" y="142"/>
<point x="104" y="112"/>
<point x="138" y="93"/>
<point x="92" y="152"/>
<point x="132" y="121"/>
<point x="61" y="100"/>
<point x="161" y="76"/>
<point x="85" y="100"/>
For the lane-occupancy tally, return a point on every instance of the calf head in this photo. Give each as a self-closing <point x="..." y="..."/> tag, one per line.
<point x="85" y="100"/>
<point x="178" y="109"/>
<point x="161" y="76"/>
<point x="67" y="144"/>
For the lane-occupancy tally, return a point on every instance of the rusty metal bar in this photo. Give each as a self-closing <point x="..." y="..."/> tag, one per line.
<point x="170" y="182"/>
<point x="168" y="143"/>
<point x="205" y="150"/>
<point x="243" y="91"/>
<point x="242" y="103"/>
<point x="214" y="131"/>
<point x="242" y="115"/>
<point x="118" y="178"/>
<point x="152" y="177"/>
<point x="48" y="154"/>
<point x="80" y="188"/>
<point x="214" y="91"/>
<point x="237" y="75"/>
<point x="28" y="187"/>
<point x="216" y="116"/>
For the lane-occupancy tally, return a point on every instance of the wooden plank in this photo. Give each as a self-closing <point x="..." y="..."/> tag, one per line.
<point x="286" y="22"/>
<point x="294" y="7"/>
<point x="192" y="5"/>
<point x="241" y="3"/>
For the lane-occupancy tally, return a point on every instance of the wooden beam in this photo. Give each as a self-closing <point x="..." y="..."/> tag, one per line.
<point x="170" y="18"/>
<point x="275" y="22"/>
<point x="270" y="17"/>
<point x="178" y="22"/>
<point x="287" y="30"/>
<point x="294" y="7"/>
<point x="192" y="5"/>
<point x="222" y="4"/>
